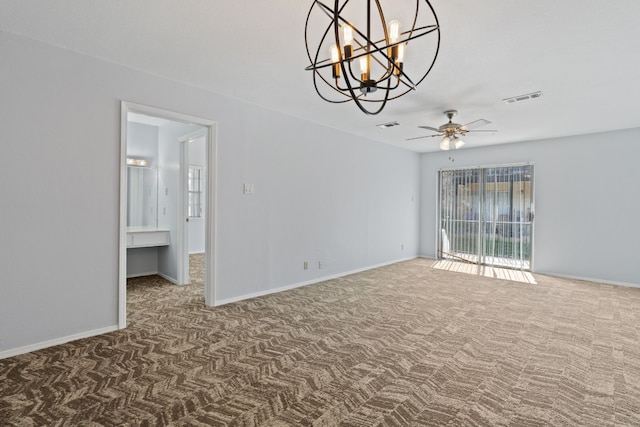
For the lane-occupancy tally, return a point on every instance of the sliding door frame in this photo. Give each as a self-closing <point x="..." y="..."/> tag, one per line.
<point x="438" y="225"/>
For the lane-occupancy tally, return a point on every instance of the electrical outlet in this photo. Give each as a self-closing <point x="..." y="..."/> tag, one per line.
<point x="306" y="265"/>
<point x="402" y="247"/>
<point x="320" y="265"/>
<point x="248" y="189"/>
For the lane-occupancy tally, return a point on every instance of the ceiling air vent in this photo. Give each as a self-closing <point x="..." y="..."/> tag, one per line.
<point x="388" y="125"/>
<point x="521" y="98"/>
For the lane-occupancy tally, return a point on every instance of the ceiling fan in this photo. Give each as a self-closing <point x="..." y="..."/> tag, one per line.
<point x="453" y="131"/>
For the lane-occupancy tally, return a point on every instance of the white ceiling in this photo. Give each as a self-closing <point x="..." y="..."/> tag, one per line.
<point x="584" y="55"/>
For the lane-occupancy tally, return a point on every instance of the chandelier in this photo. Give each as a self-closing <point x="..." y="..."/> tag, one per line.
<point x="350" y="33"/>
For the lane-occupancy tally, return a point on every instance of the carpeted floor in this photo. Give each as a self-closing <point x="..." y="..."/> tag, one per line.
<point x="403" y="345"/>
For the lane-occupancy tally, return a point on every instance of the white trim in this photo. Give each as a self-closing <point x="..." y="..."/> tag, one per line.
<point x="166" y="114"/>
<point x="182" y="267"/>
<point x="122" y="224"/>
<point x="45" y="344"/>
<point x="210" y="226"/>
<point x="192" y="135"/>
<point x="308" y="282"/>
<point x="150" y="273"/>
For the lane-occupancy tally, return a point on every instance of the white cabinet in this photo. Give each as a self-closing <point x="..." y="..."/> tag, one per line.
<point x="140" y="237"/>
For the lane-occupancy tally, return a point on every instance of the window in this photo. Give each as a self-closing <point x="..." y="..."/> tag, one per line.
<point x="195" y="191"/>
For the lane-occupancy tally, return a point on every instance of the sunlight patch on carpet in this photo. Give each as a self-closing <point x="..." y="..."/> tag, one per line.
<point x="486" y="271"/>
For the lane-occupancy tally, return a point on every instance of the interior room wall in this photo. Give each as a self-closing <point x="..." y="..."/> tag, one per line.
<point x="320" y="195"/>
<point x="142" y="142"/>
<point x="197" y="157"/>
<point x="169" y="209"/>
<point x="586" y="202"/>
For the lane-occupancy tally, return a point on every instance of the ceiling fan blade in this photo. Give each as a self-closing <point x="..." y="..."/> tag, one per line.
<point x="420" y="137"/>
<point x="429" y="128"/>
<point x="480" y="130"/>
<point x="475" y="124"/>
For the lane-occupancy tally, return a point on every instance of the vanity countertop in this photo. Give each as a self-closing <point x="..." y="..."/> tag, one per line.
<point x="145" y="237"/>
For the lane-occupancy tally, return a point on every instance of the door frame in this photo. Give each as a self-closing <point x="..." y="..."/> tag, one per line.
<point x="127" y="107"/>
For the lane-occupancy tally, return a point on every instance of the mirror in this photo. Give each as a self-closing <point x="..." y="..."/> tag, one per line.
<point x="142" y="197"/>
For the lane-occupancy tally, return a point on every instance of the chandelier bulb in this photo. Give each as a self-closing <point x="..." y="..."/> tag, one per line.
<point x="335" y="54"/>
<point x="394" y="31"/>
<point x="364" y="67"/>
<point x="347" y="35"/>
<point x="401" y="50"/>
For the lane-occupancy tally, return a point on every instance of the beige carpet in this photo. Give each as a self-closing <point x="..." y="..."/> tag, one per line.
<point x="403" y="345"/>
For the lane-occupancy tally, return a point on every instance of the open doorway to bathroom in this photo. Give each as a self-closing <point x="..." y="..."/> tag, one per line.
<point x="167" y="200"/>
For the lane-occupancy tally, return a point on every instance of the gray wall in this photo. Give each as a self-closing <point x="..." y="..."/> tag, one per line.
<point x="586" y="201"/>
<point x="320" y="195"/>
<point x="169" y="210"/>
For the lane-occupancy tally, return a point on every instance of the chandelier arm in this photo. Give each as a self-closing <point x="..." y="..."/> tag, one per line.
<point x="367" y="112"/>
<point x="397" y="84"/>
<point x="435" y="56"/>
<point x="326" y="9"/>
<point x="415" y="18"/>
<point x="306" y="31"/>
<point x="353" y="76"/>
<point x="315" y="84"/>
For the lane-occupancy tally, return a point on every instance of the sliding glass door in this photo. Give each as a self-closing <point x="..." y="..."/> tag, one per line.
<point x="486" y="215"/>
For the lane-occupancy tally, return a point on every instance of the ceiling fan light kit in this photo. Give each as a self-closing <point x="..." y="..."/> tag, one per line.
<point x="451" y="132"/>
<point x="360" y="56"/>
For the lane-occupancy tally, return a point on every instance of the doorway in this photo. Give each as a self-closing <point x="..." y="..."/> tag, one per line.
<point x="154" y="144"/>
<point x="486" y="216"/>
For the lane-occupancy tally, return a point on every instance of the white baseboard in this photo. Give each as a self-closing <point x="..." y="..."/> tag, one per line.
<point x="149" y="273"/>
<point x="155" y="273"/>
<point x="39" y="346"/>
<point x="308" y="282"/>
<point x="589" y="279"/>
<point x="170" y="279"/>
